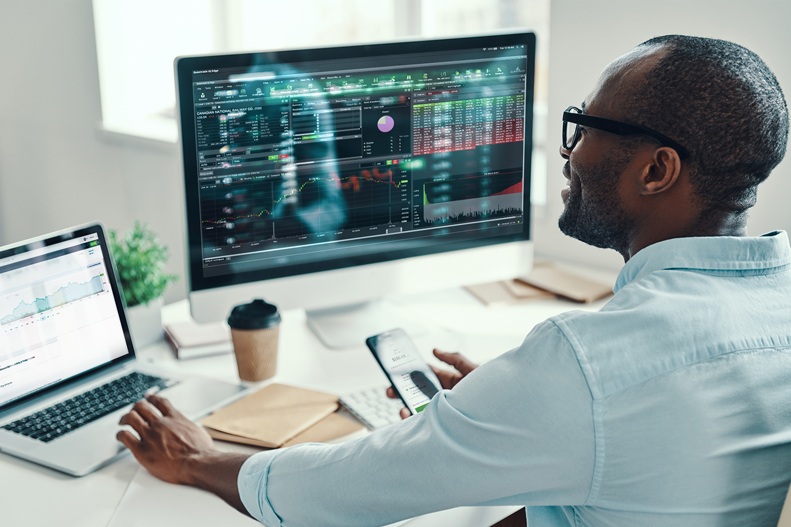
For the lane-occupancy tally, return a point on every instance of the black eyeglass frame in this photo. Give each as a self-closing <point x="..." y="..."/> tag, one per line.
<point x="613" y="127"/>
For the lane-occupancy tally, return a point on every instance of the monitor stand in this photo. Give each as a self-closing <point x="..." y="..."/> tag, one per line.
<point x="348" y="326"/>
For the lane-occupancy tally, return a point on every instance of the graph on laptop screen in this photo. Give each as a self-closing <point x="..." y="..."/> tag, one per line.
<point x="314" y="162"/>
<point x="58" y="316"/>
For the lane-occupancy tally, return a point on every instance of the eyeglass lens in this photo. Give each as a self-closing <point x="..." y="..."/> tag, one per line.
<point x="568" y="135"/>
<point x="569" y="131"/>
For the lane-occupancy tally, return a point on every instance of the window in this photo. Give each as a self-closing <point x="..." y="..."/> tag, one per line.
<point x="137" y="41"/>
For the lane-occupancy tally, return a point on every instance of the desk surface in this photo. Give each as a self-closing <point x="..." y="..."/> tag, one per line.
<point x="123" y="494"/>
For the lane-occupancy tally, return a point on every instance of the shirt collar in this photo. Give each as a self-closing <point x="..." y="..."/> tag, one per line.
<point x="768" y="251"/>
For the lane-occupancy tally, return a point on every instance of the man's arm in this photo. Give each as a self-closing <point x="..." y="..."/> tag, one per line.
<point x="518" y="431"/>
<point x="176" y="450"/>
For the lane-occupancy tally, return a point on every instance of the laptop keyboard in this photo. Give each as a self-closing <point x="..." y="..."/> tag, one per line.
<point x="71" y="414"/>
<point x="373" y="407"/>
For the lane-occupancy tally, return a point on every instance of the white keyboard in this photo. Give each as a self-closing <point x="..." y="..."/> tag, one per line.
<point x="373" y="407"/>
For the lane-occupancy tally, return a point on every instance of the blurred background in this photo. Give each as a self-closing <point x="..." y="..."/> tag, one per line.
<point x="88" y="131"/>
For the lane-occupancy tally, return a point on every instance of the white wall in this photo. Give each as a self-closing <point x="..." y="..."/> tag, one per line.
<point x="585" y="35"/>
<point x="55" y="171"/>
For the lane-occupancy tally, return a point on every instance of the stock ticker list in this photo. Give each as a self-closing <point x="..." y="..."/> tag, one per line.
<point x="300" y="159"/>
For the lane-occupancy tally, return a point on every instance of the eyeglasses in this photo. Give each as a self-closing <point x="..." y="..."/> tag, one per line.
<point x="573" y="118"/>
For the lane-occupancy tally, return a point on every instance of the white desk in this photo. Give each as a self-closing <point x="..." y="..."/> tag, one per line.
<point x="123" y="494"/>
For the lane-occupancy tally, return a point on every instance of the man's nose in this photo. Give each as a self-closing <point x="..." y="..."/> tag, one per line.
<point x="564" y="152"/>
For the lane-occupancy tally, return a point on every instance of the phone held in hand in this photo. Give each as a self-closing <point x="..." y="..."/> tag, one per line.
<point x="411" y="378"/>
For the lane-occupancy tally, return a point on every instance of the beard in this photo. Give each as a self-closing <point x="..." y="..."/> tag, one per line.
<point x="596" y="216"/>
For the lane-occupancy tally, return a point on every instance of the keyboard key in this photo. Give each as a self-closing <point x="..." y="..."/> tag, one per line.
<point x="69" y="415"/>
<point x="378" y="422"/>
<point x="373" y="407"/>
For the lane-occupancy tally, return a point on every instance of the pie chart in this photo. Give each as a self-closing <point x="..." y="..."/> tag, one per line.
<point x="385" y="124"/>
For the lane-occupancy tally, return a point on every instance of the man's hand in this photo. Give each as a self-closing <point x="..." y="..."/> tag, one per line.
<point x="168" y="440"/>
<point x="448" y="379"/>
<point x="176" y="450"/>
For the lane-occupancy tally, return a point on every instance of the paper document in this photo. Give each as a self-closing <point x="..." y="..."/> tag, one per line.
<point x="273" y="415"/>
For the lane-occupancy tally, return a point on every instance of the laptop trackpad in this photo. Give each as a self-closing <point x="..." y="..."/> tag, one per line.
<point x="197" y="397"/>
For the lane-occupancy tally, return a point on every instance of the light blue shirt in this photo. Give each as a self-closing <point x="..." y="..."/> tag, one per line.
<point x="670" y="406"/>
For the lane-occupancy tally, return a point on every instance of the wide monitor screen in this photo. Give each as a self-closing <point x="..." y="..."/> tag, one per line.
<point x="311" y="160"/>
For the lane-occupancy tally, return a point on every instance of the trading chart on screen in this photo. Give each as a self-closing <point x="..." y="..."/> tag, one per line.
<point x="298" y="158"/>
<point x="58" y="316"/>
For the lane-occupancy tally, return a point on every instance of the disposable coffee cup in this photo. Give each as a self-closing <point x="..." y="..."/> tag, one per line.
<point x="255" y="328"/>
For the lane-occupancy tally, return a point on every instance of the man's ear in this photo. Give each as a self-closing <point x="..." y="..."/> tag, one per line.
<point x="662" y="172"/>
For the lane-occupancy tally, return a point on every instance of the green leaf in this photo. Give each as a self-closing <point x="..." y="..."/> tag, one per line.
<point x="140" y="260"/>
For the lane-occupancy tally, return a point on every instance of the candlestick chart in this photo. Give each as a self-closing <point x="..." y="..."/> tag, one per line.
<point x="245" y="210"/>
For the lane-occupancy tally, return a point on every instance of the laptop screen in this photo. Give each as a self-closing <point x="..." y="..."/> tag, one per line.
<point x="59" y="316"/>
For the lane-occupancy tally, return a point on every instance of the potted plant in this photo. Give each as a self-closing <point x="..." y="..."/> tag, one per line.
<point x="139" y="260"/>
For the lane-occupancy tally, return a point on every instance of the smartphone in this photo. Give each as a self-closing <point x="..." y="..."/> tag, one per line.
<point x="410" y="376"/>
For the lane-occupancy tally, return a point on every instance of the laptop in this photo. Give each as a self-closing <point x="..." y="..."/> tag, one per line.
<point x="67" y="363"/>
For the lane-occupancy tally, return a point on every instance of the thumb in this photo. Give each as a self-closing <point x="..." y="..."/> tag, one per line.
<point x="457" y="360"/>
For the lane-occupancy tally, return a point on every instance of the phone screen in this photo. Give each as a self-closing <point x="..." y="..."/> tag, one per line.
<point x="408" y="373"/>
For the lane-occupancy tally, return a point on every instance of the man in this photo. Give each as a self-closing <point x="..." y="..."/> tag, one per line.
<point x="670" y="406"/>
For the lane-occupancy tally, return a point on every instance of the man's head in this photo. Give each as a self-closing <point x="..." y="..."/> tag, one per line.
<point x="718" y="101"/>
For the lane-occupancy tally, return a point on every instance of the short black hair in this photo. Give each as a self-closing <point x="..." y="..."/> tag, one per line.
<point x="723" y="104"/>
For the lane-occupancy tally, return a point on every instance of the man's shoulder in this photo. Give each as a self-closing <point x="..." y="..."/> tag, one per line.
<point x="671" y="319"/>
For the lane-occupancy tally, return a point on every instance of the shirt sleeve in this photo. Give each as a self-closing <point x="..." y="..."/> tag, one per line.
<point x="517" y="431"/>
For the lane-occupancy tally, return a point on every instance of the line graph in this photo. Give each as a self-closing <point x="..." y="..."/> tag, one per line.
<point x="471" y="187"/>
<point x="312" y="201"/>
<point x="71" y="292"/>
<point x="446" y="216"/>
<point x="346" y="182"/>
<point x="469" y="198"/>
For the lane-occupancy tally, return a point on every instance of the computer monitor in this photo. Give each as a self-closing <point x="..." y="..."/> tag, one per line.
<point x="329" y="178"/>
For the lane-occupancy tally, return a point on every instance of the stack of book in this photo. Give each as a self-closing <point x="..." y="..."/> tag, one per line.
<point x="190" y="340"/>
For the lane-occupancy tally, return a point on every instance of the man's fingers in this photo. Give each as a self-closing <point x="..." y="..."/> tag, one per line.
<point x="391" y="393"/>
<point x="458" y="361"/>
<point x="146" y="411"/>
<point x="162" y="404"/>
<point x="134" y="420"/>
<point x="446" y="378"/>
<point x="128" y="440"/>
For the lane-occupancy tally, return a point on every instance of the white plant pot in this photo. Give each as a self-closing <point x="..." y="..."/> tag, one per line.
<point x="145" y="323"/>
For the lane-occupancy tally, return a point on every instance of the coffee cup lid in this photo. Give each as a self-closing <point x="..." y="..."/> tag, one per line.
<point x="255" y="315"/>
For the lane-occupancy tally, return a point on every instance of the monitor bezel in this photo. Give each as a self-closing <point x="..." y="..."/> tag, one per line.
<point x="60" y="237"/>
<point x="184" y="68"/>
